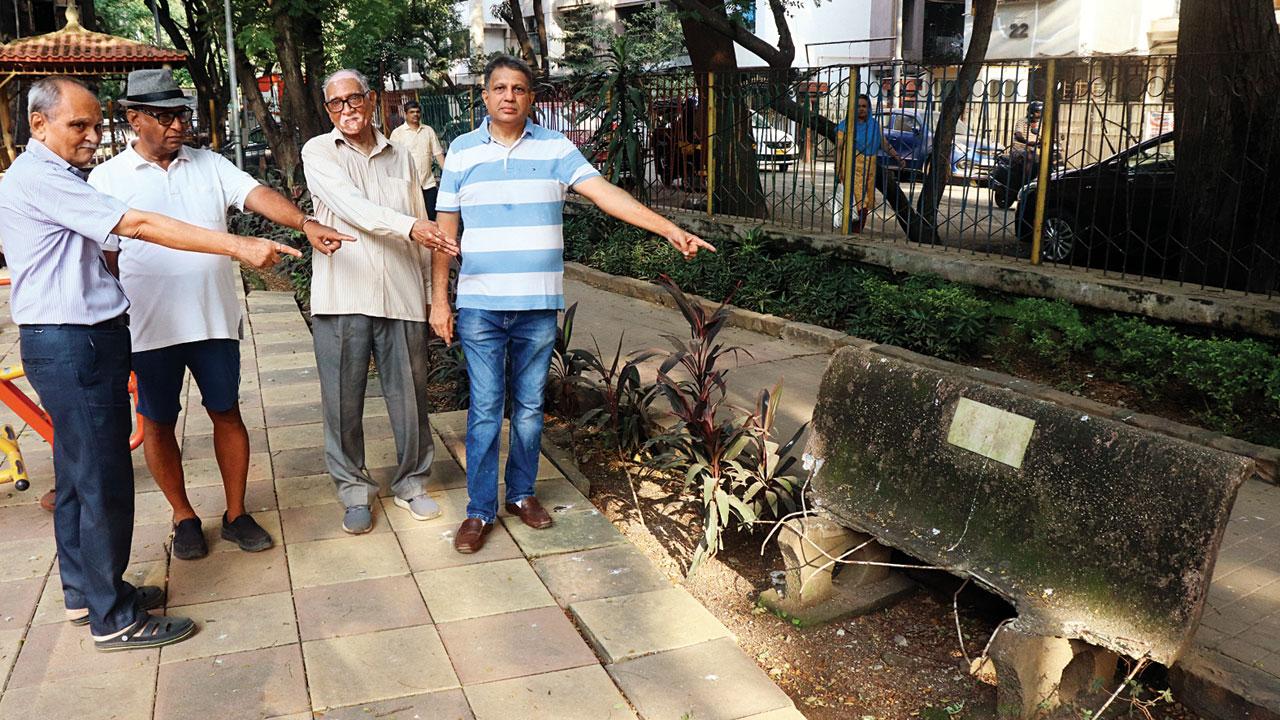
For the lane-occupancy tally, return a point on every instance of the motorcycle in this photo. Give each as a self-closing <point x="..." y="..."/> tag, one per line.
<point x="1008" y="177"/>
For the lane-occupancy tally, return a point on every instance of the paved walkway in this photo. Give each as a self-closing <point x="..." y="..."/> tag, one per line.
<point x="566" y="623"/>
<point x="1240" y="631"/>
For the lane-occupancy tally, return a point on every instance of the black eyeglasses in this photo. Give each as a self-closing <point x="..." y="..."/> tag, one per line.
<point x="355" y="101"/>
<point x="166" y="117"/>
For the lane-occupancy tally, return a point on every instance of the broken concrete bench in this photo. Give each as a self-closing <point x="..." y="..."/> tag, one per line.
<point x="1103" y="536"/>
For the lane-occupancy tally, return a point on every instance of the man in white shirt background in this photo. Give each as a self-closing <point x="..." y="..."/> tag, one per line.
<point x="185" y="307"/>
<point x="423" y="145"/>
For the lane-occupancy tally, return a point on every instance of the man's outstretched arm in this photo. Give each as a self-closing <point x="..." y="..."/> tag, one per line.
<point x="618" y="203"/>
<point x="275" y="207"/>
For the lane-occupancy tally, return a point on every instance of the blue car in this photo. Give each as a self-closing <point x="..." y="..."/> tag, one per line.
<point x="910" y="132"/>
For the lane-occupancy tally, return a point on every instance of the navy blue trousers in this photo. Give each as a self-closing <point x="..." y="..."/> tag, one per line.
<point x="81" y="373"/>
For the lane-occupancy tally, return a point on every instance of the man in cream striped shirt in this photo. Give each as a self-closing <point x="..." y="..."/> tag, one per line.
<point x="507" y="179"/>
<point x="369" y="299"/>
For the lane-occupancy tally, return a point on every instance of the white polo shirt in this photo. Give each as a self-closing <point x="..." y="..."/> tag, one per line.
<point x="177" y="296"/>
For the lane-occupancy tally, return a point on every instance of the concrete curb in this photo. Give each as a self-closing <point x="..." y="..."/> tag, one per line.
<point x="1168" y="301"/>
<point x="565" y="463"/>
<point x="1220" y="688"/>
<point x="1266" y="458"/>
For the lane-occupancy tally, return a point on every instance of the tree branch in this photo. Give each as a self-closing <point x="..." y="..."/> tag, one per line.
<point x="721" y="24"/>
<point x="786" y="45"/>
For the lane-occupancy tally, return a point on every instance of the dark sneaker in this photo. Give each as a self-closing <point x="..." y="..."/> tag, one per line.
<point x="188" y="540"/>
<point x="245" y="532"/>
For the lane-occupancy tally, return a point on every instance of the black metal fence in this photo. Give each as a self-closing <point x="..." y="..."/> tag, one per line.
<point x="766" y="145"/>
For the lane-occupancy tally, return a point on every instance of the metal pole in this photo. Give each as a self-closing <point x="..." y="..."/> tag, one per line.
<point x="235" y="87"/>
<point x="1046" y="156"/>
<point x="709" y="145"/>
<point x="847" y="158"/>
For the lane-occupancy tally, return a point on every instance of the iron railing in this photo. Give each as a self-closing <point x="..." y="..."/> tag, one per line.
<point x="762" y="145"/>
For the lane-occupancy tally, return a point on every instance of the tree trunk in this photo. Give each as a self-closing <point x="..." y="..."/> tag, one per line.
<point x="309" y="26"/>
<point x="938" y="169"/>
<point x="540" y="21"/>
<point x="1227" y="131"/>
<point x="200" y="43"/>
<point x="515" y="20"/>
<point x="297" y="112"/>
<point x="737" y="188"/>
<point x="284" y="145"/>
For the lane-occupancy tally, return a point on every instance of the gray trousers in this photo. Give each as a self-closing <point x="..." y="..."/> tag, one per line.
<point x="344" y="344"/>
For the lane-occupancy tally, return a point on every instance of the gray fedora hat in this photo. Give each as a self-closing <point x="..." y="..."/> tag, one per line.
<point x="153" y="88"/>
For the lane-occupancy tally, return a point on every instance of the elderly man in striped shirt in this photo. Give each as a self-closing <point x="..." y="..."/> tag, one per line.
<point x="507" y="179"/>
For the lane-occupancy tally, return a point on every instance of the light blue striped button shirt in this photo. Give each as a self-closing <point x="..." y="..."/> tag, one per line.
<point x="52" y="226"/>
<point x="512" y="205"/>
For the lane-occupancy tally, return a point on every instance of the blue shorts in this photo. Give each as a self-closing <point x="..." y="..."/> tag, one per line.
<point x="215" y="366"/>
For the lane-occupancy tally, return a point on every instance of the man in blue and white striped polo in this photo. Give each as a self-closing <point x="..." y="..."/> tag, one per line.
<point x="507" y="179"/>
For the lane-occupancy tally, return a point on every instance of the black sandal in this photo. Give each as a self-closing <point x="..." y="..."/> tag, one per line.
<point x="152" y="631"/>
<point x="149" y="597"/>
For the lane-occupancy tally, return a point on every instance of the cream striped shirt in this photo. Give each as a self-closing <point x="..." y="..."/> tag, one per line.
<point x="376" y="199"/>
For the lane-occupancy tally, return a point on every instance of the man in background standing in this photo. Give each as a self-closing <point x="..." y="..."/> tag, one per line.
<point x="185" y="307"/>
<point x="424" y="147"/>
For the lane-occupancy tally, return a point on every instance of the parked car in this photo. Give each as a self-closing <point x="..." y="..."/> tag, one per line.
<point x="775" y="149"/>
<point x="910" y="131"/>
<point x="1116" y="213"/>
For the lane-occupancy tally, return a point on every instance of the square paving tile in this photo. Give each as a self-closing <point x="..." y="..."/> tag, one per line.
<point x="200" y="447"/>
<point x="584" y="693"/>
<point x="453" y="510"/>
<point x="231" y="626"/>
<point x="376" y="666"/>
<point x="18" y="600"/>
<point x="572" y="532"/>
<point x="306" y="490"/>
<point x="360" y="607"/>
<point x="204" y="472"/>
<point x="291" y="393"/>
<point x="469" y="591"/>
<point x="61" y="650"/>
<point x="287" y="361"/>
<point x="324" y="522"/>
<point x="558" y="496"/>
<point x="212" y="500"/>
<point x="264" y="683"/>
<point x="604" y="572"/>
<point x="294" y="414"/>
<point x="441" y="705"/>
<point x="10" y="643"/>
<point x="150" y="542"/>
<point x="23" y="559"/>
<point x="22" y="522"/>
<point x="498" y="647"/>
<point x="293" y="437"/>
<point x="431" y="548"/>
<point x="226" y="575"/>
<point x="150" y="508"/>
<point x="358" y="557"/>
<point x="709" y="681"/>
<point x="629" y="626"/>
<point x="299" y="461"/>
<point x="103" y="696"/>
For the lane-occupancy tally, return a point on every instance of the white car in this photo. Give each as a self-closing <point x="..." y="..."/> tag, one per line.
<point x="775" y="149"/>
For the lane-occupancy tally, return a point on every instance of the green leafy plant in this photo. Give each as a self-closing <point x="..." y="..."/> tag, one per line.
<point x="1052" y="330"/>
<point x="615" y="98"/>
<point x="731" y="462"/>
<point x="941" y="320"/>
<point x="566" y="367"/>
<point x="624" y="412"/>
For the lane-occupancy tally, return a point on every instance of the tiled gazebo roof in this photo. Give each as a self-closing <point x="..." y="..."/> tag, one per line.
<point x="74" y="50"/>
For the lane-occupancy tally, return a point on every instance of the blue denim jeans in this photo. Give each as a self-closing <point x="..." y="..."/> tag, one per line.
<point x="493" y="342"/>
<point x="81" y="373"/>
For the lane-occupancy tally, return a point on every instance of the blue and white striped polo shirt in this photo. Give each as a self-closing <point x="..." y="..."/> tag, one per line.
<point x="512" y="205"/>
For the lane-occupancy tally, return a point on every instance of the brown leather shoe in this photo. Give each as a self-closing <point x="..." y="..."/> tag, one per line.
<point x="471" y="535"/>
<point x="530" y="511"/>
<point x="49" y="500"/>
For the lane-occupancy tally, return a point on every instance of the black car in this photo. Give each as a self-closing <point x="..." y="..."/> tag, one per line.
<point x="1116" y="214"/>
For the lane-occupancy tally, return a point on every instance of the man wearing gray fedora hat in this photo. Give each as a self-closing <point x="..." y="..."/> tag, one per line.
<point x="201" y="333"/>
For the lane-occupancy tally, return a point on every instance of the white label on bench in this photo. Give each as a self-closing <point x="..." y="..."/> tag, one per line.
<point x="991" y="432"/>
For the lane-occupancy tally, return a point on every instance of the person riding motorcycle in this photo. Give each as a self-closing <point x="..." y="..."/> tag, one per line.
<point x="1025" y="147"/>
